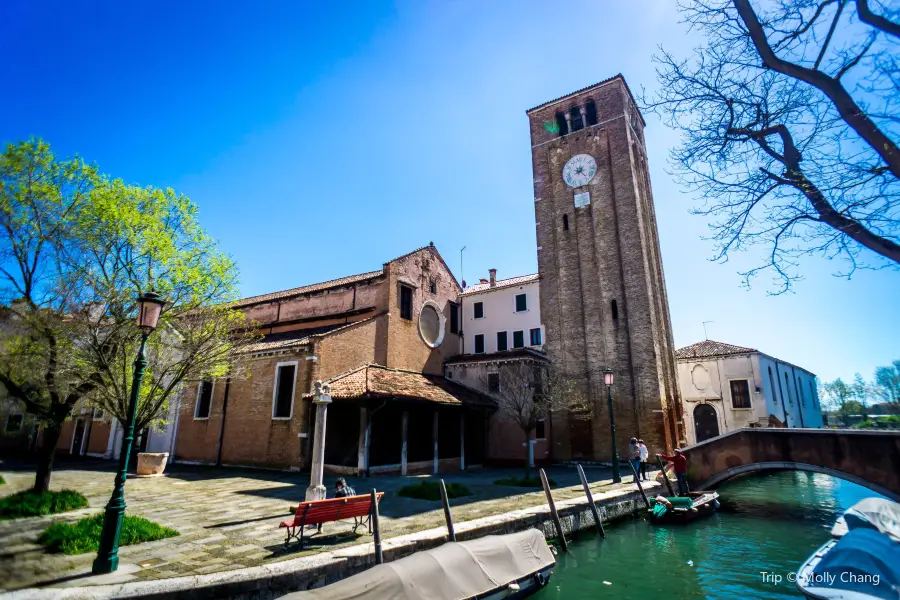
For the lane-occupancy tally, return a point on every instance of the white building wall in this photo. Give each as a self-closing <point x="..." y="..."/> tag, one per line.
<point x="795" y="397"/>
<point x="500" y="315"/>
<point x="708" y="381"/>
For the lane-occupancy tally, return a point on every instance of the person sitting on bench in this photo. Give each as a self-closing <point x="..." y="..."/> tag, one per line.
<point x="342" y="490"/>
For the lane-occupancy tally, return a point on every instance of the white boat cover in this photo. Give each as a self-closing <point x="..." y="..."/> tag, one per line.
<point x="872" y="513"/>
<point x="453" y="571"/>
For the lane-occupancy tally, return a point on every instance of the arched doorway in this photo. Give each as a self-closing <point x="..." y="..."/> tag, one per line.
<point x="706" y="423"/>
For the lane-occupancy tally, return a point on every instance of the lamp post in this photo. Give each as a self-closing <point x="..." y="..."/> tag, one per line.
<point x="608" y="380"/>
<point x="149" y="308"/>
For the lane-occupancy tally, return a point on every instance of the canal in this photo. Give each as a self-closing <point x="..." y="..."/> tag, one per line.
<point x="767" y="523"/>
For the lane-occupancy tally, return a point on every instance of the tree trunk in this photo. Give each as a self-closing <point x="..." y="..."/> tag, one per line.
<point x="46" y="454"/>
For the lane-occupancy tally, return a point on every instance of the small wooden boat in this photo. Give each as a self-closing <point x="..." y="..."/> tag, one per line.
<point x="702" y="504"/>
<point x="864" y="564"/>
<point x="497" y="566"/>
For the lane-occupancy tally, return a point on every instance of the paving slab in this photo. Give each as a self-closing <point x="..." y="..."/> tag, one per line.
<point x="228" y="518"/>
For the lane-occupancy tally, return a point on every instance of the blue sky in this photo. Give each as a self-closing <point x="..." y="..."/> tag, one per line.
<point x="321" y="141"/>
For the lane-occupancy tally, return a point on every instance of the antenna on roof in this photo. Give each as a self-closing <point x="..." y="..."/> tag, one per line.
<point x="463" y="279"/>
<point x="706" y="335"/>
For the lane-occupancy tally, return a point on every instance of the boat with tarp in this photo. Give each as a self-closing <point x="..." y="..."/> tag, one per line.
<point x="497" y="566"/>
<point x="862" y="562"/>
<point x="880" y="514"/>
<point x="682" y="509"/>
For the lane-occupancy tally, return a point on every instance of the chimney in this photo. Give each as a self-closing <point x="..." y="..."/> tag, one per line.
<point x="493" y="273"/>
<point x="482" y="280"/>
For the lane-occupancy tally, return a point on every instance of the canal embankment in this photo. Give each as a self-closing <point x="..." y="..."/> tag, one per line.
<point x="276" y="579"/>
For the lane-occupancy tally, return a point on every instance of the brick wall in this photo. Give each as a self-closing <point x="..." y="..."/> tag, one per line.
<point x="402" y="344"/>
<point x="610" y="252"/>
<point x="251" y="436"/>
<point x="346" y="349"/>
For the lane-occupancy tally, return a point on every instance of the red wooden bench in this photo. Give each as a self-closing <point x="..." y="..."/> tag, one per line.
<point x="326" y="511"/>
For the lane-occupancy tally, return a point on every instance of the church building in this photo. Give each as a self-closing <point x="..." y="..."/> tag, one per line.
<point x="380" y="340"/>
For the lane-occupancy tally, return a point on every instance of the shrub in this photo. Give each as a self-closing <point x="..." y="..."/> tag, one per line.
<point x="84" y="535"/>
<point x="431" y="490"/>
<point x="2" y="481"/>
<point x="522" y="482"/>
<point x="33" y="504"/>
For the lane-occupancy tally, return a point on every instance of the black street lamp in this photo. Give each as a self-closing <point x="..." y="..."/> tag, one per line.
<point x="608" y="380"/>
<point x="149" y="308"/>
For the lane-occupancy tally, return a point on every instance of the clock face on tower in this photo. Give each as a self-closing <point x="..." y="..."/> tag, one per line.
<point x="579" y="170"/>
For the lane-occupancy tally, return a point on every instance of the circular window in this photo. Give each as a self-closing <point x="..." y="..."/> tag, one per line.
<point x="431" y="325"/>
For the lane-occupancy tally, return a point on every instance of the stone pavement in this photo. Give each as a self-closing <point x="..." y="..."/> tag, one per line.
<point x="228" y="518"/>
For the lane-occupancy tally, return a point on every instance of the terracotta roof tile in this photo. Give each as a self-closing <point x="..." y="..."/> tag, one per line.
<point x="376" y="381"/>
<point x="709" y="348"/>
<point x="500" y="283"/>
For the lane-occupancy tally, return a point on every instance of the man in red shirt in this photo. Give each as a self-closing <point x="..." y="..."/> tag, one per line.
<point x="680" y="463"/>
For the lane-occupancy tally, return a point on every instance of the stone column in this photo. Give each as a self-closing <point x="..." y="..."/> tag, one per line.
<point x="568" y="122"/>
<point x="403" y="444"/>
<point x="321" y="400"/>
<point x="362" y="455"/>
<point x="435" y="433"/>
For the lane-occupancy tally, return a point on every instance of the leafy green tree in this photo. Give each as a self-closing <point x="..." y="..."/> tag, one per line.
<point x="76" y="249"/>
<point x="861" y="389"/>
<point x="837" y="393"/>
<point x="887" y="386"/>
<point x="852" y="408"/>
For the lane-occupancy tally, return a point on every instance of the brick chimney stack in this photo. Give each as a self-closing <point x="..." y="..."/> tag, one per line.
<point x="493" y="273"/>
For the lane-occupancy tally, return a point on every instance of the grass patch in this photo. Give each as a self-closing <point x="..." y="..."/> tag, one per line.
<point x="531" y="482"/>
<point x="84" y="535"/>
<point x="431" y="490"/>
<point x="32" y="504"/>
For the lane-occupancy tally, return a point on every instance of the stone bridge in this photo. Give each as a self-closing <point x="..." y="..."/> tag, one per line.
<point x="869" y="458"/>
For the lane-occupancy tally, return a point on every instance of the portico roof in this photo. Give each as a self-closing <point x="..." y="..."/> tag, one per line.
<point x="376" y="381"/>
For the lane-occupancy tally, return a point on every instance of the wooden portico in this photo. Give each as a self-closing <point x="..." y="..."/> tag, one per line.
<point x="385" y="420"/>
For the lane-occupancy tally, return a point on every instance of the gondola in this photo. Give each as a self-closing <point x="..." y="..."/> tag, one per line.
<point x="685" y="508"/>
<point x="497" y="566"/>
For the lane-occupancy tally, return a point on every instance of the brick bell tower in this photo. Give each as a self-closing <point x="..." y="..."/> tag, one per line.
<point x="603" y="295"/>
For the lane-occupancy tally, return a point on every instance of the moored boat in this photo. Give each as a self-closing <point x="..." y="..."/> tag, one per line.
<point x="879" y="514"/>
<point x="683" y="509"/>
<point x="499" y="566"/>
<point x="864" y="564"/>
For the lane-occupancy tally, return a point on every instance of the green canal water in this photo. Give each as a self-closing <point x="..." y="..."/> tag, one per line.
<point x="767" y="523"/>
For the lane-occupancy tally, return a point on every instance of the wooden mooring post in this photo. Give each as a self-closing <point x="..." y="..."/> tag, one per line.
<point x="662" y="469"/>
<point x="556" y="522"/>
<point x="447" y="516"/>
<point x="376" y="528"/>
<point x="590" y="499"/>
<point x="637" y="480"/>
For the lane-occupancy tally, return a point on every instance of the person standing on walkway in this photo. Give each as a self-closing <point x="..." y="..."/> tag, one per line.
<point x="634" y="457"/>
<point x="679" y="460"/>
<point x="645" y="454"/>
